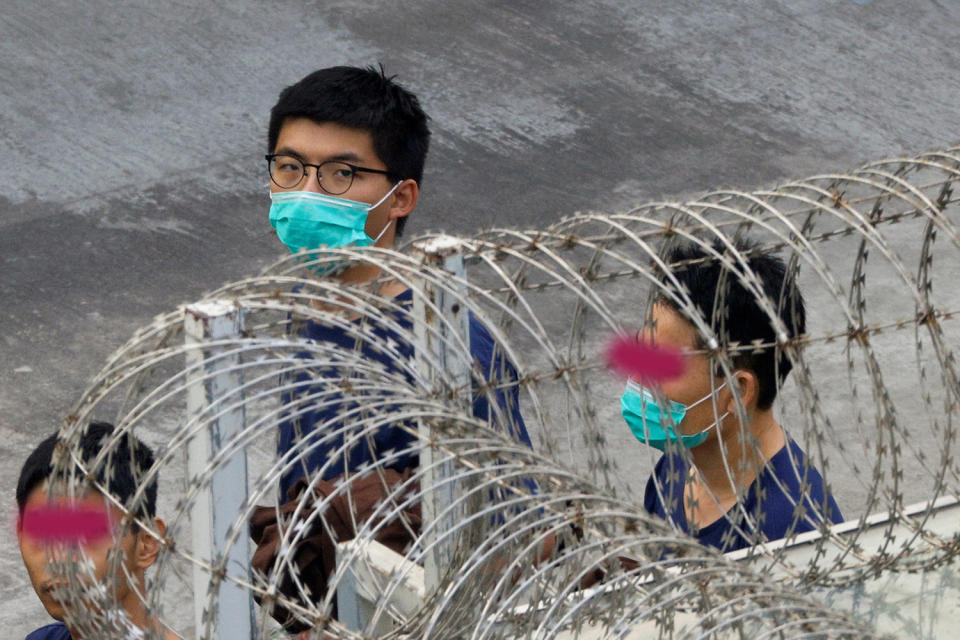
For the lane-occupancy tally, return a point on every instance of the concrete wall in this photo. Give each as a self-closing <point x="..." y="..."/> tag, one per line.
<point x="132" y="136"/>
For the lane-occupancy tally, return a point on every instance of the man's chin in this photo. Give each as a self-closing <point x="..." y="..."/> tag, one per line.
<point x="54" y="609"/>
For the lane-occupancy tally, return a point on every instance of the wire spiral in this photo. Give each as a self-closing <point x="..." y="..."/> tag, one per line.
<point x="550" y="542"/>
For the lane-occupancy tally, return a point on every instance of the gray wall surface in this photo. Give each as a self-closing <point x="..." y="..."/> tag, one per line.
<point x="132" y="137"/>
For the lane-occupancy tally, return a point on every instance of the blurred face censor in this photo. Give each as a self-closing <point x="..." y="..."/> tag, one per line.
<point x="688" y="416"/>
<point x="328" y="189"/>
<point x="72" y="547"/>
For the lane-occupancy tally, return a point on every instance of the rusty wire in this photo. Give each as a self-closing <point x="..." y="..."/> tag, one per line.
<point x="873" y="400"/>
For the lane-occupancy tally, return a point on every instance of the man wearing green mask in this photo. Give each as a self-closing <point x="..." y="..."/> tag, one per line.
<point x="717" y="428"/>
<point x="346" y="153"/>
<point x="347" y="148"/>
<point x="345" y="174"/>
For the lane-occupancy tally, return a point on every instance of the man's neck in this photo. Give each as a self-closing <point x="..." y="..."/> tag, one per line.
<point x="726" y="466"/>
<point x="152" y="623"/>
<point x="134" y="614"/>
<point x="362" y="273"/>
<point x="359" y="273"/>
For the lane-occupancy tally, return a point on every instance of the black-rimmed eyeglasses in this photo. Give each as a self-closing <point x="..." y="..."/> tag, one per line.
<point x="334" y="176"/>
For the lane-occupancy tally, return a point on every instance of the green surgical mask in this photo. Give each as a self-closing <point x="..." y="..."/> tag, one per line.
<point x="643" y="415"/>
<point x="309" y="220"/>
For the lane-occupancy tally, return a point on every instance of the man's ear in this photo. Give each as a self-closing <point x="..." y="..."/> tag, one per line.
<point x="404" y="199"/>
<point x="746" y="385"/>
<point x="148" y="545"/>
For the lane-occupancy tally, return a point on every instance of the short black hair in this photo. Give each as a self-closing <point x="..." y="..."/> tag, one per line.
<point x="363" y="99"/>
<point x="736" y="317"/>
<point x="128" y="461"/>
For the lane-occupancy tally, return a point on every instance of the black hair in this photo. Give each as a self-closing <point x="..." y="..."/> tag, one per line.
<point x="363" y="99"/>
<point x="120" y="474"/>
<point x="736" y="317"/>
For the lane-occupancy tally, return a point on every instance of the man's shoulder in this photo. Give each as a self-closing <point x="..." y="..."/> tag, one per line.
<point x="480" y="338"/>
<point x="791" y="480"/>
<point x="673" y="464"/>
<point x="55" y="631"/>
<point x="667" y="480"/>
<point x="791" y="467"/>
<point x="485" y="350"/>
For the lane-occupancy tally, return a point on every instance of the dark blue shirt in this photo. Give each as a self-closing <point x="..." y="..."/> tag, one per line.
<point x="307" y="417"/>
<point x="775" y="510"/>
<point x="55" y="631"/>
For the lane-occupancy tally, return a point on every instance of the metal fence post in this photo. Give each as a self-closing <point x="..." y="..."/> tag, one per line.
<point x="435" y="336"/>
<point x="231" y="612"/>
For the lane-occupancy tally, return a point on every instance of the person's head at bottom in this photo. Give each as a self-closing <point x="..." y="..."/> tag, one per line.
<point x="87" y="550"/>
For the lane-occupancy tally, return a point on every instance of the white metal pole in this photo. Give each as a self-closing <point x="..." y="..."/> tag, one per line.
<point x="223" y="610"/>
<point x="436" y="335"/>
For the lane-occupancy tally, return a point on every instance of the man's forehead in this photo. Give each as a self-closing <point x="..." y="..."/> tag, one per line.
<point x="46" y="492"/>
<point x="45" y="498"/>
<point x="307" y="136"/>
<point x="668" y="327"/>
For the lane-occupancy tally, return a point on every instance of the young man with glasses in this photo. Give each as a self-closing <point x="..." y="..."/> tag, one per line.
<point x="347" y="148"/>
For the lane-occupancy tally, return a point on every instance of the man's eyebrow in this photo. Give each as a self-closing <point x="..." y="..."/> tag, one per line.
<point x="287" y="151"/>
<point x="347" y="156"/>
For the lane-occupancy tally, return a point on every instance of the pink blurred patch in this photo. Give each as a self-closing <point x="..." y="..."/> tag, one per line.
<point x="66" y="523"/>
<point x="644" y="361"/>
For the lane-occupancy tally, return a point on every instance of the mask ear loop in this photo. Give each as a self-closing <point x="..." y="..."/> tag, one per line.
<point x="378" y="203"/>
<point x="718" y="419"/>
<point x="385" y="196"/>
<point x="704" y="398"/>
<point x="382" y="231"/>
